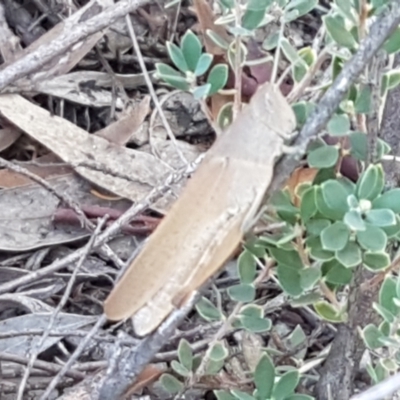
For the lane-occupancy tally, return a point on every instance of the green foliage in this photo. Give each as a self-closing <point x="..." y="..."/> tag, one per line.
<point x="327" y="226"/>
<point x="192" y="64"/>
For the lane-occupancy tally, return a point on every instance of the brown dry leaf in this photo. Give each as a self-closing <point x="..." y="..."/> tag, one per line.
<point x="62" y="65"/>
<point x="8" y="136"/>
<point x="119" y="132"/>
<point x="126" y="172"/>
<point x="10" y="179"/>
<point x="299" y="176"/>
<point x="85" y="87"/>
<point x="26" y="214"/>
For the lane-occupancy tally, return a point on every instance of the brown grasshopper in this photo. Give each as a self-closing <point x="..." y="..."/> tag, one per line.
<point x="207" y="223"/>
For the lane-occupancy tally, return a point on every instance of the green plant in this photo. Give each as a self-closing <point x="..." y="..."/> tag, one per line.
<point x="192" y="63"/>
<point x="330" y="225"/>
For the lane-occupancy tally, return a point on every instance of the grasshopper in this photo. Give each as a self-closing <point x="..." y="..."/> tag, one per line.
<point x="207" y="223"/>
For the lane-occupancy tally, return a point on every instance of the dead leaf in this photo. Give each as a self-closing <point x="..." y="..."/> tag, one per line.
<point x="23" y="344"/>
<point x="299" y="176"/>
<point x="126" y="172"/>
<point x="62" y="65"/>
<point x="26" y="214"/>
<point x="119" y="132"/>
<point x="8" y="136"/>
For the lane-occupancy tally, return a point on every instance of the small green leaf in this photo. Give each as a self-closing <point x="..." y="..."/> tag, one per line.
<point x="316" y="226"/>
<point x="323" y="208"/>
<point x="363" y="101"/>
<point x="372" y="239"/>
<point x="222" y="395"/>
<point x="323" y="157"/>
<point x="171" y="384"/>
<point x="302" y="7"/>
<point x="337" y="31"/>
<point x="385" y="314"/>
<point x="309" y="277"/>
<point x="335" y="237"/>
<point x="172" y="77"/>
<point x="353" y="219"/>
<point x="217" y="78"/>
<point x="335" y="196"/>
<point x="359" y="145"/>
<point x="299" y="397"/>
<point x="281" y="202"/>
<point x="390" y="200"/>
<point x="203" y="64"/>
<point x="207" y="310"/>
<point x="243" y="293"/>
<point x="271" y="42"/>
<point x="347" y="9"/>
<point x="316" y="250"/>
<point x="290" y="258"/>
<point x="339" y="125"/>
<point x="218" y="352"/>
<point x="225" y="116"/>
<point x="387" y="293"/>
<point x="371" y="182"/>
<point x="302" y="111"/>
<point x="350" y="256"/>
<point x="255" y="324"/>
<point x="384" y="327"/>
<point x="376" y="261"/>
<point x="180" y="369"/>
<point x="380" y="217"/>
<point x="217" y="39"/>
<point x="328" y="312"/>
<point x="242" y="395"/>
<point x="214" y="367"/>
<point x="286" y="385"/>
<point x="290" y="280"/>
<point x="247" y="266"/>
<point x="177" y="57"/>
<point x="335" y="273"/>
<point x="308" y="207"/>
<point x="371" y="335"/>
<point x="392" y="44"/>
<point x="389" y="364"/>
<point x="201" y="92"/>
<point x="185" y="354"/>
<point x="254" y="14"/>
<point x="191" y="49"/>
<point x="252" y="310"/>
<point x="390" y="80"/>
<point x="291" y="53"/>
<point x="264" y="377"/>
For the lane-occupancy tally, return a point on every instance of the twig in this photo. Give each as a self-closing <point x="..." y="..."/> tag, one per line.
<point x="41" y="56"/>
<point x="130" y="366"/>
<point x="151" y="89"/>
<point x="78" y="351"/>
<point x="105" y="236"/>
<point x="39" y="364"/>
<point x="380" y="30"/>
<point x="68" y="201"/>
<point x="35" y="351"/>
<point x="382" y="390"/>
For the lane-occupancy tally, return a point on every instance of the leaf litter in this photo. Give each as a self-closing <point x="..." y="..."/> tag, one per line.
<point x="62" y="103"/>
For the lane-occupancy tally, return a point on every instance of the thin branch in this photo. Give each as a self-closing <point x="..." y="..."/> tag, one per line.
<point x="39" y="57"/>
